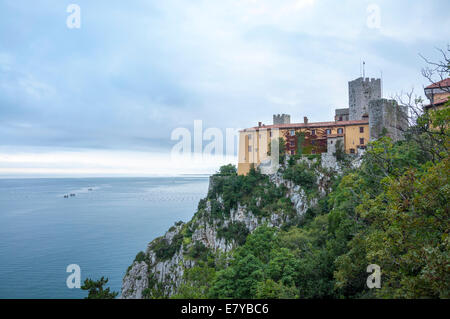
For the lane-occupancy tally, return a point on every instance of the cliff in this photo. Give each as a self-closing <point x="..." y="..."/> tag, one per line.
<point x="234" y="207"/>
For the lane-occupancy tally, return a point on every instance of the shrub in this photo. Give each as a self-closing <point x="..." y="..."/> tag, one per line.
<point x="229" y="169"/>
<point x="140" y="257"/>
<point x="164" y="250"/>
<point x="197" y="250"/>
<point x="302" y="175"/>
<point x="234" y="231"/>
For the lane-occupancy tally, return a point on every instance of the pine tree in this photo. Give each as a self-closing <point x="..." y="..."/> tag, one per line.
<point x="96" y="290"/>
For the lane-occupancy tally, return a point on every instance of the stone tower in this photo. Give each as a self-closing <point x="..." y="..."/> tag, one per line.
<point x="360" y="92"/>
<point x="281" y="119"/>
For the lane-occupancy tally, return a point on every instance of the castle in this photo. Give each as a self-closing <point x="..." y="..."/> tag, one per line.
<point x="368" y="117"/>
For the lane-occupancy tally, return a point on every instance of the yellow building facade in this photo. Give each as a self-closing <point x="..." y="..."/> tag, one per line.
<point x="300" y="138"/>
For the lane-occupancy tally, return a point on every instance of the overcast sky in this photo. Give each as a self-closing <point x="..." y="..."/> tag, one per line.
<point x="103" y="99"/>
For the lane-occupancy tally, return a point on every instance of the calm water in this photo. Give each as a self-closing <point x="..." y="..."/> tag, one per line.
<point x="102" y="230"/>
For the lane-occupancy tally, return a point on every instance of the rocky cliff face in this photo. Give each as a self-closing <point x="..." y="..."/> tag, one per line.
<point x="158" y="272"/>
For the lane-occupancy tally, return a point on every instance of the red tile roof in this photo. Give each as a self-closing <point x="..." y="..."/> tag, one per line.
<point x="307" y="125"/>
<point x="437" y="102"/>
<point x="441" y="84"/>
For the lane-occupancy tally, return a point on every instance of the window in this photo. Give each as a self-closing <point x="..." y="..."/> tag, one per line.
<point x="292" y="132"/>
<point x="340" y="131"/>
<point x="331" y="142"/>
<point x="361" y="129"/>
<point x="328" y="131"/>
<point x="292" y="143"/>
<point x="361" y="141"/>
<point x="270" y="133"/>
<point x="340" y="118"/>
<point x="249" y="148"/>
<point x="249" y="136"/>
<point x="352" y="151"/>
<point x="313" y="132"/>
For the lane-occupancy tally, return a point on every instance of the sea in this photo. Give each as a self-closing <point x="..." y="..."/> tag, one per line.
<point x="100" y="228"/>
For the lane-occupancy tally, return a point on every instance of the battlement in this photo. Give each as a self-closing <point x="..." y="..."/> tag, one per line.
<point x="281" y="119"/>
<point x="367" y="80"/>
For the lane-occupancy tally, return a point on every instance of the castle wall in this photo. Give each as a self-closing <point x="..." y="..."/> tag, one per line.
<point x="387" y="117"/>
<point x="332" y="142"/>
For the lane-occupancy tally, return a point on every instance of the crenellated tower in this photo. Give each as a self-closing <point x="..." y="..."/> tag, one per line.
<point x="281" y="119"/>
<point x="360" y="92"/>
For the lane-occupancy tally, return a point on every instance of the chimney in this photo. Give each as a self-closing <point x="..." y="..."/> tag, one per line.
<point x="305" y="120"/>
<point x="259" y="124"/>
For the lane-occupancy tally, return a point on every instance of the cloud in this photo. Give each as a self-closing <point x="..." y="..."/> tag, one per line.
<point x="273" y="10"/>
<point x="134" y="72"/>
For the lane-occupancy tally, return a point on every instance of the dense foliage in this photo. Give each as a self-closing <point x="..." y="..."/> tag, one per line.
<point x="164" y="249"/>
<point x="255" y="191"/>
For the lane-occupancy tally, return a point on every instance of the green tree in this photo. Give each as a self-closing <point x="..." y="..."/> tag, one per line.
<point x="270" y="289"/>
<point x="229" y="169"/>
<point x="407" y="236"/>
<point x="96" y="290"/>
<point x="198" y="281"/>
